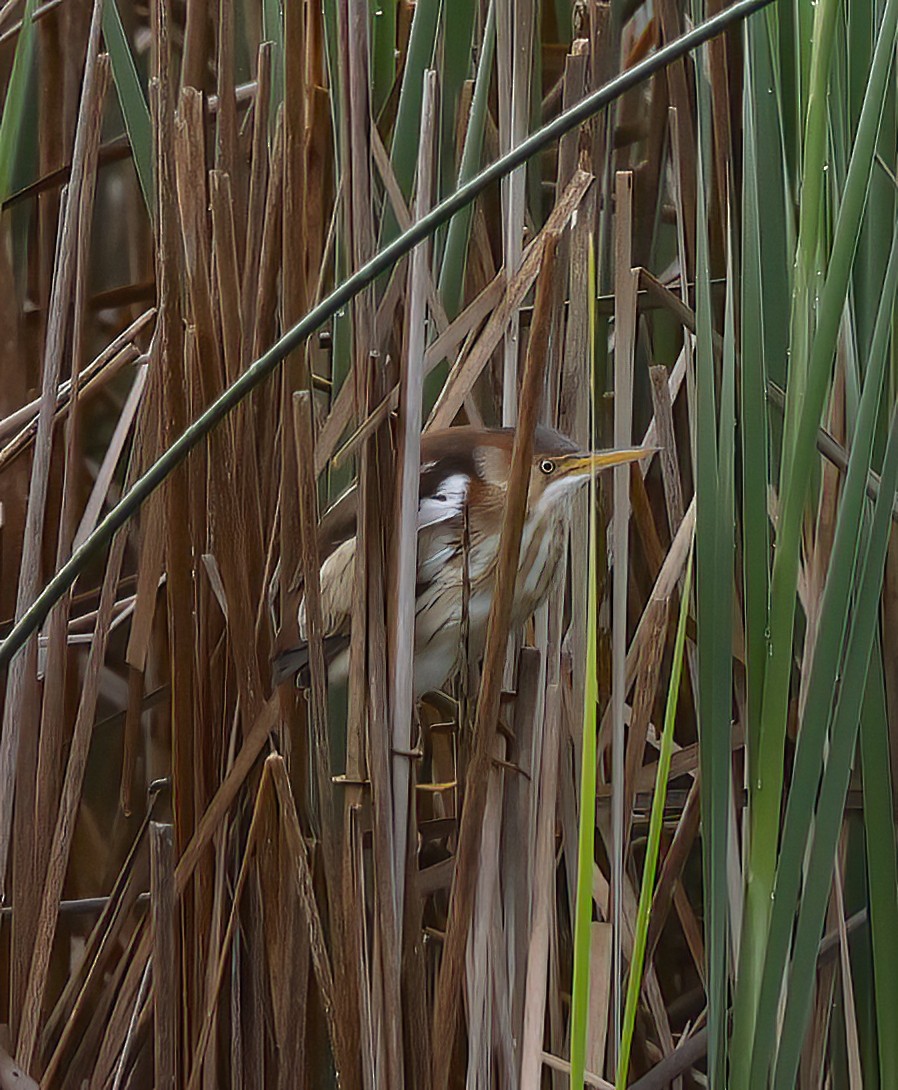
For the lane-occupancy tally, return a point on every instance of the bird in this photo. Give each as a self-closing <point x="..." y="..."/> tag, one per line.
<point x="464" y="474"/>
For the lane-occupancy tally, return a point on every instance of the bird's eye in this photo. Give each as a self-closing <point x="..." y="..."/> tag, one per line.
<point x="547" y="466"/>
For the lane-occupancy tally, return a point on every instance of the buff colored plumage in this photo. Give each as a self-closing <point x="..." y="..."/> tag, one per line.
<point x="464" y="477"/>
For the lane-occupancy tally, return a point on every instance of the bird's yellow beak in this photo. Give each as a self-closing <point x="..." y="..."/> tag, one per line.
<point x="579" y="465"/>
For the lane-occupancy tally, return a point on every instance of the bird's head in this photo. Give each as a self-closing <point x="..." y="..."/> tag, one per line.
<point x="471" y="467"/>
<point x="555" y="474"/>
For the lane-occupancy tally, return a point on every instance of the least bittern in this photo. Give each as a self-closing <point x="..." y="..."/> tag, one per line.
<point x="464" y="479"/>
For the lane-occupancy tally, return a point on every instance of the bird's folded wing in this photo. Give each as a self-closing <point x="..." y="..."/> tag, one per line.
<point x="291" y="653"/>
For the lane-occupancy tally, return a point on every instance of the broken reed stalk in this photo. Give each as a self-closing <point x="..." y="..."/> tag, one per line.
<point x="165" y="957"/>
<point x="625" y="285"/>
<point x="263" y="793"/>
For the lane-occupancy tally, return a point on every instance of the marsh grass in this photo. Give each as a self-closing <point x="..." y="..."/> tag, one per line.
<point x="208" y="883"/>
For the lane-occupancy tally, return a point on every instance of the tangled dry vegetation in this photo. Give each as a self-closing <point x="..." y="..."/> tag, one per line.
<point x="208" y="883"/>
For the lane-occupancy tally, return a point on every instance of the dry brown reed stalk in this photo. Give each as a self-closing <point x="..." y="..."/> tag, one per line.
<point x="403" y="562"/>
<point x="23" y="423"/>
<point x="165" y="956"/>
<point x="625" y="284"/>
<point x="65" y="822"/>
<point x="538" y="942"/>
<point x="22" y="693"/>
<point x="83" y="990"/>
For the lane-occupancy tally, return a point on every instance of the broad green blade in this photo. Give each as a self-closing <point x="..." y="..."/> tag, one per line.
<point x="862" y="21"/>
<point x="835" y="610"/>
<point x="16" y="105"/>
<point x="714" y="559"/>
<point x="404" y="148"/>
<point x="800" y="459"/>
<point x="753" y="402"/>
<point x="882" y="871"/>
<point x="452" y="270"/>
<point x="808" y="258"/>
<point x="458" y="19"/>
<point x="383" y="51"/>
<point x="131" y="99"/>
<point x="778" y="229"/>
<point x="834" y="788"/>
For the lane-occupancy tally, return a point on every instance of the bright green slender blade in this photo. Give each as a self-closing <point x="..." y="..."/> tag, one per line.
<point x="653" y="847"/>
<point x="587" y="829"/>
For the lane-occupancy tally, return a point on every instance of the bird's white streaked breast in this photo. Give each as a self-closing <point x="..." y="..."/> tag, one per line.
<point x="541" y="553"/>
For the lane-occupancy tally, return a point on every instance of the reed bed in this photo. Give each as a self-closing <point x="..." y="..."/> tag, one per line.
<point x="652" y="841"/>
